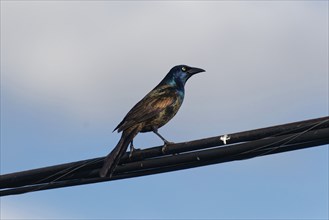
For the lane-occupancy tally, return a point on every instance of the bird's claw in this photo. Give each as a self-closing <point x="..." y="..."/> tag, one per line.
<point x="132" y="150"/>
<point x="131" y="153"/>
<point x="166" y="143"/>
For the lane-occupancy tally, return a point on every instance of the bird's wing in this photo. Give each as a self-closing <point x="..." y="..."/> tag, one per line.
<point x="150" y="106"/>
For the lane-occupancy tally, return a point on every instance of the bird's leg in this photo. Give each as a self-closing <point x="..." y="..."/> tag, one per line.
<point x="164" y="140"/>
<point x="132" y="149"/>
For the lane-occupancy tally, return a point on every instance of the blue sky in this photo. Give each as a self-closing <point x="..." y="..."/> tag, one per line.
<point x="70" y="71"/>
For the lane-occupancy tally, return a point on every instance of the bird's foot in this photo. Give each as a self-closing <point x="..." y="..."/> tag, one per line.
<point x="132" y="150"/>
<point x="131" y="153"/>
<point x="166" y="143"/>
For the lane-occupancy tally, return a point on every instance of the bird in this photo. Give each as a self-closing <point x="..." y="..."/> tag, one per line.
<point x="152" y="112"/>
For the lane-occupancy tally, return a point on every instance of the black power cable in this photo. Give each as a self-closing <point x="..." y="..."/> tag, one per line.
<point x="242" y="145"/>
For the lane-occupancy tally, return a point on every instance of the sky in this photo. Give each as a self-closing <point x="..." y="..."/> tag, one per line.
<point x="71" y="70"/>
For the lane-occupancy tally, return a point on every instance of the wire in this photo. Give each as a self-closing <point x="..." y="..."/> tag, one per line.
<point x="242" y="145"/>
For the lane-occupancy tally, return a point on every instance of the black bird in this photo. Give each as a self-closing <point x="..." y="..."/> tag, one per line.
<point x="152" y="112"/>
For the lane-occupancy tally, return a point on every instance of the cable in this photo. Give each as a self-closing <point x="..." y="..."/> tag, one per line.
<point x="242" y="145"/>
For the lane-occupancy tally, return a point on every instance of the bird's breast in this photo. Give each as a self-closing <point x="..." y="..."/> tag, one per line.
<point x="164" y="116"/>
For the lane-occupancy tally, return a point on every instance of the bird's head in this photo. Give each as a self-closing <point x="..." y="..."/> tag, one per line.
<point x="181" y="73"/>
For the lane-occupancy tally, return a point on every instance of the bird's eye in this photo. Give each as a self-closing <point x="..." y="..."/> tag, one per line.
<point x="184" y="68"/>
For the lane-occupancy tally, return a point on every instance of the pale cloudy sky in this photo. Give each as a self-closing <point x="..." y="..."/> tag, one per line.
<point x="71" y="70"/>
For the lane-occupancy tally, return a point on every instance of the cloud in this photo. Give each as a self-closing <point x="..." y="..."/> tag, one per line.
<point x="65" y="64"/>
<point x="100" y="61"/>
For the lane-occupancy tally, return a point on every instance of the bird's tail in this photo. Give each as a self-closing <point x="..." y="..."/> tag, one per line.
<point x="113" y="158"/>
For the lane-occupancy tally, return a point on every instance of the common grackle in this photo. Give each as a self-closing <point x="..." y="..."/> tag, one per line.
<point x="152" y="112"/>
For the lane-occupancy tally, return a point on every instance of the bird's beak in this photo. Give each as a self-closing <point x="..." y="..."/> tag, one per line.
<point x="195" y="70"/>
